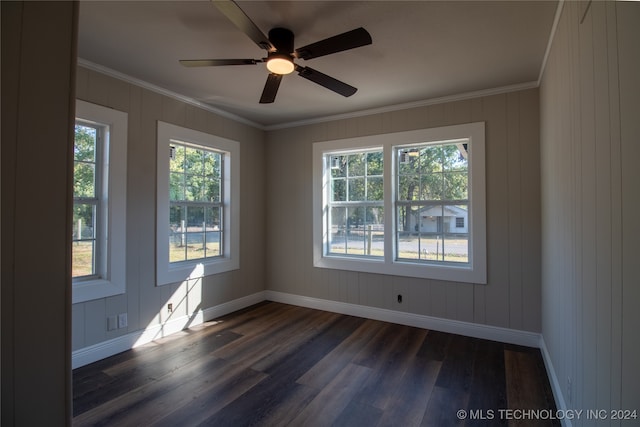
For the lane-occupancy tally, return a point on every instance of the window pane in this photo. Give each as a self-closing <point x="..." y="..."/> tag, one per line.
<point x="454" y="157"/>
<point x="176" y="164"/>
<point x="212" y="190"/>
<point x="85" y="143"/>
<point x="408" y="187"/>
<point x="84" y="240"/>
<point x="177" y="236"/>
<point x="456" y="186"/>
<point x="374" y="244"/>
<point x="84" y="180"/>
<point x="337" y="230"/>
<point x="213" y="217"/>
<point x="83" y="258"/>
<point x="338" y="165"/>
<point x="431" y="186"/>
<point x="211" y="164"/>
<point x="84" y="221"/>
<point x="338" y="190"/>
<point x="356" y="164"/>
<point x="194" y="188"/>
<point x="194" y="161"/>
<point x="214" y="243"/>
<point x="374" y="163"/>
<point x="455" y="248"/>
<point x="176" y="186"/>
<point x="375" y="189"/>
<point x="195" y="246"/>
<point x="356" y="189"/>
<point x="356" y="227"/>
<point x="195" y="219"/>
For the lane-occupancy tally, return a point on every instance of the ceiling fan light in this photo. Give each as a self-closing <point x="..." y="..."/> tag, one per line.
<point x="280" y="64"/>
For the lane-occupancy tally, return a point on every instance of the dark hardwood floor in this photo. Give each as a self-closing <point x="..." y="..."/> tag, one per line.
<point x="274" y="365"/>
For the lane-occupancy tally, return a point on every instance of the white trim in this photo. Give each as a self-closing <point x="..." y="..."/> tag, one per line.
<point x="112" y="279"/>
<point x="488" y="332"/>
<point x="407" y="105"/>
<point x="157" y="89"/>
<point x="553" y="380"/>
<point x="554" y="27"/>
<point x="166" y="272"/>
<point x="108" y="348"/>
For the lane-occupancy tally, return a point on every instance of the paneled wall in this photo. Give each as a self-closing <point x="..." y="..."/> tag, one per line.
<point x="146" y="303"/>
<point x="590" y="191"/>
<point x="37" y="116"/>
<point x="511" y="298"/>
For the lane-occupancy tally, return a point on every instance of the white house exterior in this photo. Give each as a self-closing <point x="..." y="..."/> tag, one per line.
<point x="440" y="219"/>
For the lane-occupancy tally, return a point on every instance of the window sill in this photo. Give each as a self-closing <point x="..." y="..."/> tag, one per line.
<point x="186" y="270"/>
<point x="89" y="290"/>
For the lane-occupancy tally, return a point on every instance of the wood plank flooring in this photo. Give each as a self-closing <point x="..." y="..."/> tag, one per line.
<point x="275" y="365"/>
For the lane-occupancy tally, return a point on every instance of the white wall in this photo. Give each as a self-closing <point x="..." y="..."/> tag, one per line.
<point x="511" y="299"/>
<point x="590" y="104"/>
<point x="146" y="303"/>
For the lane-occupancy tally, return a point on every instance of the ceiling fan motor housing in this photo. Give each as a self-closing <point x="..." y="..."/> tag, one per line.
<point x="282" y="39"/>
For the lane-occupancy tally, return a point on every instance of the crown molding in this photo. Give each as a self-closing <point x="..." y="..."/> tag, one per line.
<point x="554" y="27"/>
<point x="408" y="105"/>
<point x="361" y="113"/>
<point x="146" y="85"/>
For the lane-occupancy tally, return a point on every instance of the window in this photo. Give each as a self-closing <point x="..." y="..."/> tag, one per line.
<point x="356" y="212"/>
<point x="198" y="204"/>
<point x="432" y="192"/>
<point x="87" y="200"/>
<point x="430" y="183"/>
<point x="195" y="202"/>
<point x="99" y="202"/>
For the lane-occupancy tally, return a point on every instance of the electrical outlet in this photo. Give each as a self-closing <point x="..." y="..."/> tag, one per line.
<point x="122" y="320"/>
<point x="399" y="298"/>
<point x="112" y="323"/>
<point x="170" y="308"/>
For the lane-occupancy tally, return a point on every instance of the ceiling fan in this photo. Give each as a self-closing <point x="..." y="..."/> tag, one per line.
<point x="281" y="53"/>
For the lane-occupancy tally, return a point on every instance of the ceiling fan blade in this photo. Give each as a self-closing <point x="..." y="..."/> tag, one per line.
<point x="217" y="62"/>
<point x="326" y="81"/>
<point x="345" y="41"/>
<point x="240" y="19"/>
<point x="270" y="88"/>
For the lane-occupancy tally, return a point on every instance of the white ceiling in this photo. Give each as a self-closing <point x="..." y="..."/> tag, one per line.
<point x="421" y="50"/>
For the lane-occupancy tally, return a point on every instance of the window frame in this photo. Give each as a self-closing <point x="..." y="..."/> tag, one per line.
<point x="474" y="272"/>
<point x="110" y="276"/>
<point x="166" y="271"/>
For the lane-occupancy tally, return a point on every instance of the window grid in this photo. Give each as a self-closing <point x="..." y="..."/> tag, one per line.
<point x="195" y="203"/>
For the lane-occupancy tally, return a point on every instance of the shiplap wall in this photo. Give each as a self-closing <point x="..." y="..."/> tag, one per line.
<point x="145" y="302"/>
<point x="590" y="131"/>
<point x="511" y="298"/>
<point x="37" y="116"/>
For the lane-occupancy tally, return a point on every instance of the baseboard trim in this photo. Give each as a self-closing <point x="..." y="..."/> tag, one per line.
<point x="131" y="340"/>
<point x="494" y="333"/>
<point x="108" y="348"/>
<point x="558" y="396"/>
